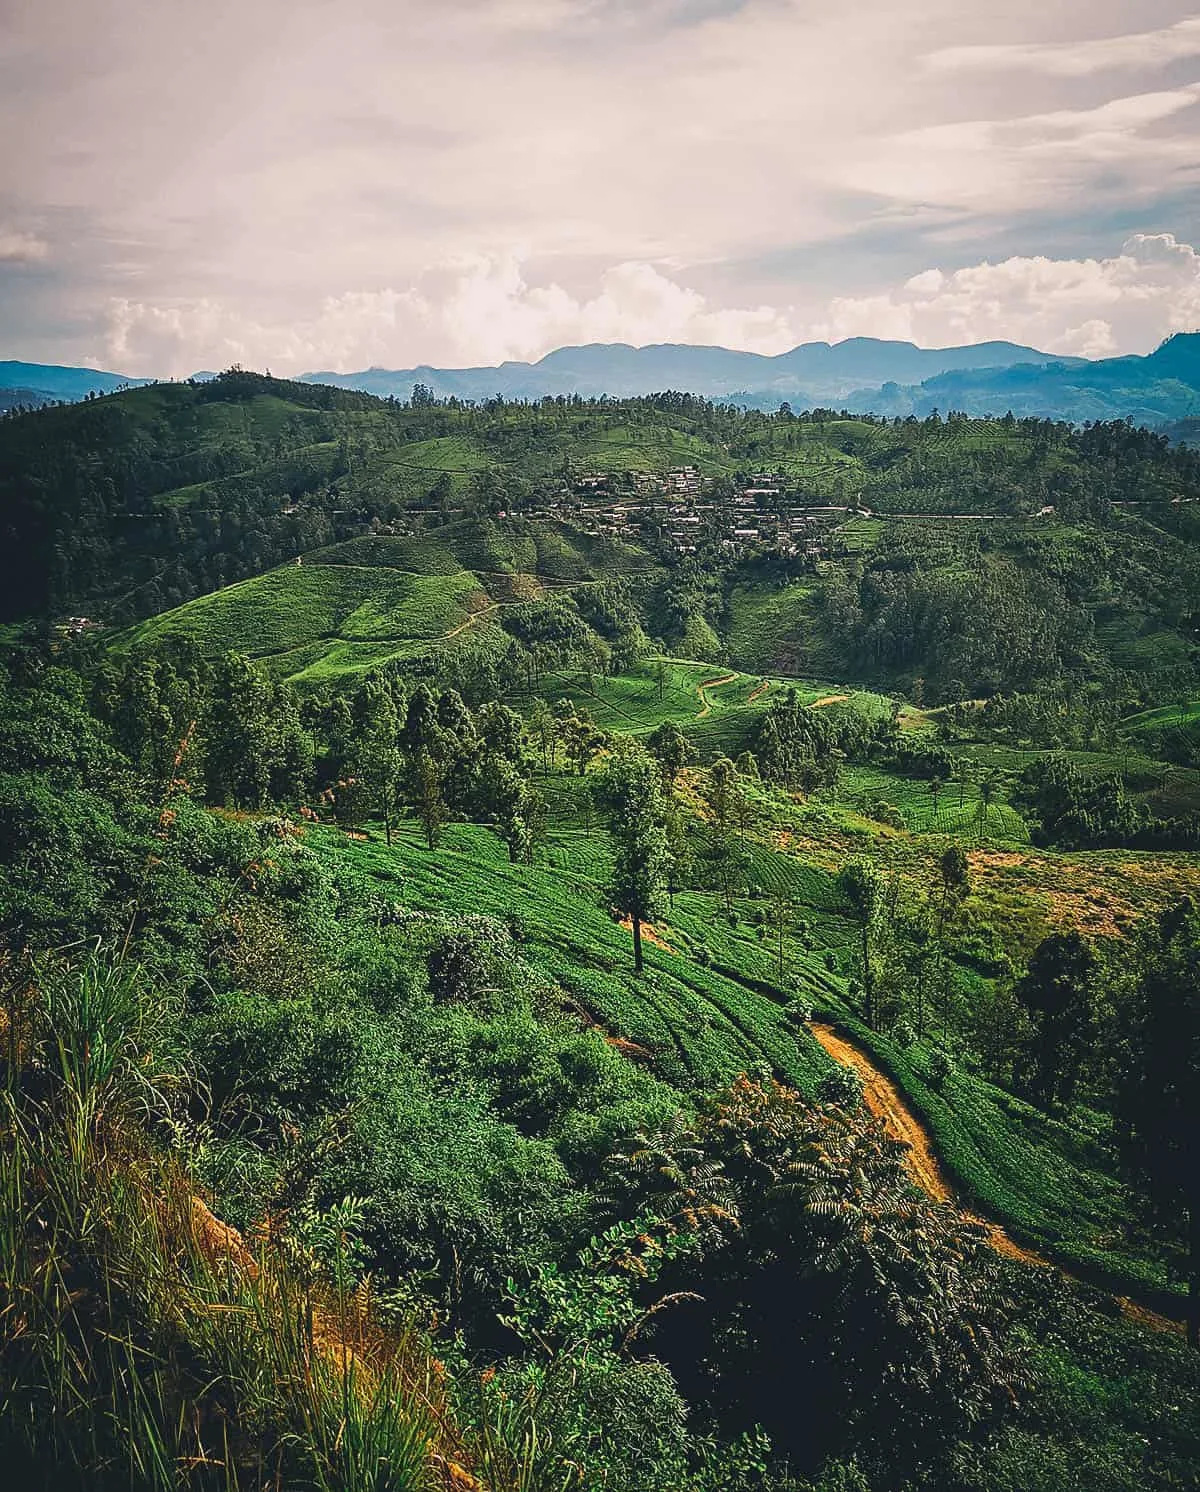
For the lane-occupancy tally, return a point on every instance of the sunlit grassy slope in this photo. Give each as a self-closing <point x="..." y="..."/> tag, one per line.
<point x="355" y="606"/>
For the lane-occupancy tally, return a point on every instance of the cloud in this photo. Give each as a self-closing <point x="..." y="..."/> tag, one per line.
<point x="1076" y="58"/>
<point x="21" y="248"/>
<point x="1123" y="147"/>
<point x="1081" y="307"/>
<point x="476" y="310"/>
<point x="305" y="169"/>
<point x="485" y="310"/>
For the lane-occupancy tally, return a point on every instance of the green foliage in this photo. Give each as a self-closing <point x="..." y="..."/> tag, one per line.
<point x="629" y="789"/>
<point x="152" y="1349"/>
<point x="1057" y="991"/>
<point x="1158" y="1088"/>
<point x="418" y="1050"/>
<point x="832" y="1230"/>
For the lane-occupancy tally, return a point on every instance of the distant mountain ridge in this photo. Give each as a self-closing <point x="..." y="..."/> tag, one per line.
<point x="811" y="372"/>
<point x="44" y="383"/>
<point x="1159" y="389"/>
<point x="865" y="375"/>
<point x="862" y="374"/>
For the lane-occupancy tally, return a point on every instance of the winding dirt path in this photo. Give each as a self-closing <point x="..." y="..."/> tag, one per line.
<point x="886" y="1102"/>
<point x="758" y="690"/>
<point x="706" y="703"/>
<point x="473" y="618"/>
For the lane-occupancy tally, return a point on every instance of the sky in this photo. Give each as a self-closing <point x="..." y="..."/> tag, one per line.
<point x="318" y="184"/>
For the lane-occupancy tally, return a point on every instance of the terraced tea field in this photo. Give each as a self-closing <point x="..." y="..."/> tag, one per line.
<point x="699" y="1027"/>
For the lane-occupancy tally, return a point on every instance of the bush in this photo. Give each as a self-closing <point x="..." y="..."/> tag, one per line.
<point x="938" y="1068"/>
<point x="903" y="1034"/>
<point x="842" y="1087"/>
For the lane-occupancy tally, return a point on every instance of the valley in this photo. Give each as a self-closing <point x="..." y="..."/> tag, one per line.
<point x="543" y="872"/>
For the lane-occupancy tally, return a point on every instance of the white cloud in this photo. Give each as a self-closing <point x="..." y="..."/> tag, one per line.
<point x="21" y="248"/>
<point x="1076" y="58"/>
<point x="301" y="162"/>
<point x="484" y="310"/>
<point x="478" y="310"/>
<point x="1081" y="307"/>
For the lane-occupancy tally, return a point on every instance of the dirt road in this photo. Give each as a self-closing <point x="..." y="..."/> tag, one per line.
<point x="886" y="1102"/>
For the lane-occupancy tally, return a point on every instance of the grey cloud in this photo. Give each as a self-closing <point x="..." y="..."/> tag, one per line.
<point x="226" y="176"/>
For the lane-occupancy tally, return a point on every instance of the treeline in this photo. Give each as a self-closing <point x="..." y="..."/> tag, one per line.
<point x="228" y="735"/>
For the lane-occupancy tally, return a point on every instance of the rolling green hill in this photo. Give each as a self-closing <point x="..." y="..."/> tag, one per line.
<point x="133" y="502"/>
<point x="355" y="606"/>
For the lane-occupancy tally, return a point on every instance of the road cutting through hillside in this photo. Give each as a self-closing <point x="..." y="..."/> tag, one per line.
<point x="884" y="1099"/>
<point x="728" y="678"/>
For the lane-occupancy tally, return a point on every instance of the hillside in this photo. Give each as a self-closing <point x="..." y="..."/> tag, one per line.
<point x="127" y="507"/>
<point x="526" y="928"/>
<point x="374" y="1110"/>
<point x="355" y="606"/>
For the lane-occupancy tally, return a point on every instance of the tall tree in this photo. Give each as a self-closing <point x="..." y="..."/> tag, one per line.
<point x="671" y="749"/>
<point x="376" y="756"/>
<point x="582" y="740"/>
<point x="862" y="888"/>
<point x="1158" y="1091"/>
<point x="989" y="791"/>
<point x="239" y="735"/>
<point x="426" y="777"/>
<point x="630" y="791"/>
<point x="1057" y="991"/>
<point x="544" y="731"/>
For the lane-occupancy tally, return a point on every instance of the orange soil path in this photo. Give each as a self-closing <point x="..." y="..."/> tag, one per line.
<point x="828" y="699"/>
<point x="886" y="1102"/>
<point x="727" y="678"/>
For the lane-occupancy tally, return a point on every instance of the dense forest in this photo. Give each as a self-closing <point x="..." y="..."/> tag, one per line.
<point x="513" y="1002"/>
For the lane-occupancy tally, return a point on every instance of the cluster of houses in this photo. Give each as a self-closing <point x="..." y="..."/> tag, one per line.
<point x="76" y="626"/>
<point x="682" y="507"/>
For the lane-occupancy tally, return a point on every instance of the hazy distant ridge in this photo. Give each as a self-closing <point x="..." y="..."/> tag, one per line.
<point x="812" y="371"/>
<point x="47" y="382"/>
<point x="863" y="374"/>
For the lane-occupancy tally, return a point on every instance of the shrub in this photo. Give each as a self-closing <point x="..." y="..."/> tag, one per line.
<point x="842" y="1087"/>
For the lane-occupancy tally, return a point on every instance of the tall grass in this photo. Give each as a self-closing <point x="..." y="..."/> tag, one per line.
<point x="144" y="1344"/>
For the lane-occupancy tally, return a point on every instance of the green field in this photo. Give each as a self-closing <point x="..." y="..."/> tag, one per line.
<point x="956" y="811"/>
<point x="1182" y="716"/>
<point x="290" y="618"/>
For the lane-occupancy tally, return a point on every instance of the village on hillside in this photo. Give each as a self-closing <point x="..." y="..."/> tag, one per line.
<point x="758" y="516"/>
